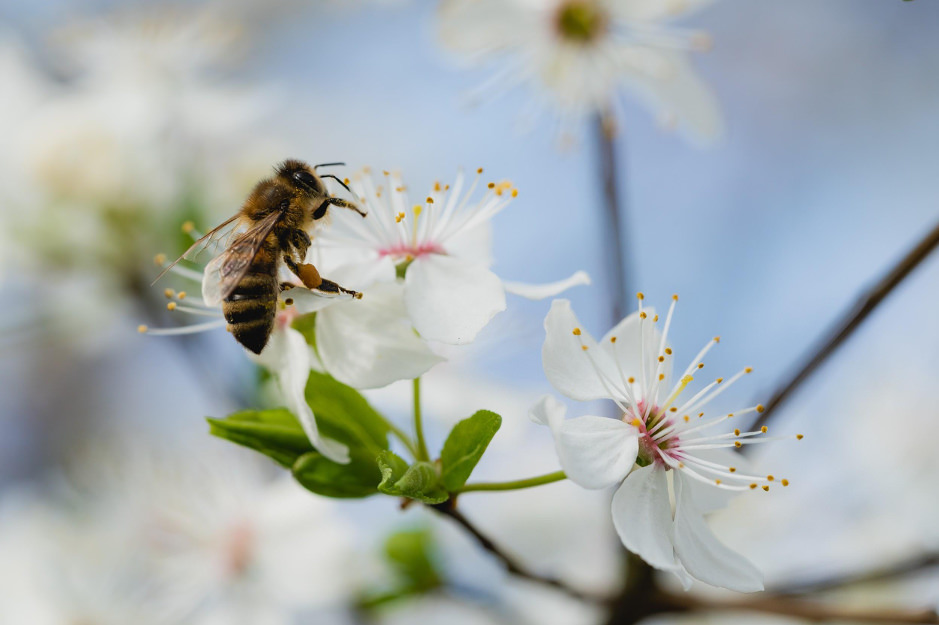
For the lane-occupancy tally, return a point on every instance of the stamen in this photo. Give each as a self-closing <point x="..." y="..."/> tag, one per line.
<point x="193" y="329"/>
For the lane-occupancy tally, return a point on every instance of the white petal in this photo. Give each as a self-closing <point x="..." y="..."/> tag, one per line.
<point x="548" y="411"/>
<point x="654" y="10"/>
<point x="566" y="365"/>
<point x="626" y="350"/>
<point x="642" y="516"/>
<point x="370" y="343"/>
<point x="449" y="299"/>
<point x="596" y="452"/>
<point x="705" y="557"/>
<point x="706" y="497"/>
<point x="544" y="291"/>
<point x="288" y="356"/>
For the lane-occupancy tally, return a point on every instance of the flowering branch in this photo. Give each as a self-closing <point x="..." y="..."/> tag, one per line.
<point x="852" y="320"/>
<point x="898" y="569"/>
<point x="449" y="509"/>
<point x="605" y="131"/>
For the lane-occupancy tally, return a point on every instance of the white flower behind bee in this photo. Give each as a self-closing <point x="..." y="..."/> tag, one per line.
<point x="582" y="52"/>
<point x="659" y="435"/>
<point x="440" y="248"/>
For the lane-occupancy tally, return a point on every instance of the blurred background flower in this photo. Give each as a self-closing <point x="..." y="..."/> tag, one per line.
<point x="120" y="122"/>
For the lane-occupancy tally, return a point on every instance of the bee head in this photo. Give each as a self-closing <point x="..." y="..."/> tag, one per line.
<point x="301" y="176"/>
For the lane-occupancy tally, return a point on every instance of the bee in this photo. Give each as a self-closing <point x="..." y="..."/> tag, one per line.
<point x="276" y="217"/>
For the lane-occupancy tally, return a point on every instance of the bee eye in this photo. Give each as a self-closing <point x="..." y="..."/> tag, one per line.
<point x="306" y="180"/>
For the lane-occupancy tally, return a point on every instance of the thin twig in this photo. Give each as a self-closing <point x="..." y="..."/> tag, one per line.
<point x="886" y="573"/>
<point x="810" y="611"/>
<point x="511" y="565"/>
<point x="851" y="321"/>
<point x="605" y="129"/>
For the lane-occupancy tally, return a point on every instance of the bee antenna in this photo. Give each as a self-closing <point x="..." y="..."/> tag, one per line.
<point x="344" y="185"/>
<point x="315" y="167"/>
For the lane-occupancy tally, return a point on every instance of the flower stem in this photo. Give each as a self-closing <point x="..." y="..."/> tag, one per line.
<point x="403" y="437"/>
<point x="557" y="476"/>
<point x="418" y="426"/>
<point x="605" y="129"/>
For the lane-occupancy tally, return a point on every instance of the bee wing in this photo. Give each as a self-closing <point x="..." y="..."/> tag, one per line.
<point x="227" y="269"/>
<point x="207" y="239"/>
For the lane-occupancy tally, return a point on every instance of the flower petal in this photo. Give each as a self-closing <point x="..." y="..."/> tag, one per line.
<point x="449" y="299"/>
<point x="566" y="364"/>
<point x="548" y="411"/>
<point x="370" y="343"/>
<point x="544" y="291"/>
<point x="705" y="557"/>
<point x="642" y="516"/>
<point x="655" y="10"/>
<point x="288" y="356"/>
<point x="596" y="452"/>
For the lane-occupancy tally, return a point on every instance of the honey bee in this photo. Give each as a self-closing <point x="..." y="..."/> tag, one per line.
<point x="276" y="216"/>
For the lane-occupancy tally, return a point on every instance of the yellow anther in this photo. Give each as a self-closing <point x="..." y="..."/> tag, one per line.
<point x="430" y="200"/>
<point x="631" y="380"/>
<point x="717" y="339"/>
<point x="738" y="444"/>
<point x="764" y="429"/>
<point x="399" y="217"/>
<point x="760" y="408"/>
<point x="142" y="329"/>
<point x="700" y="365"/>
<point x="446" y="187"/>
<point x="169" y="293"/>
<point x="171" y="306"/>
<point x="717" y="482"/>
<point x="635" y="422"/>
<point x="736" y="432"/>
<point x="748" y="370"/>
<point x="346" y="181"/>
<point x="188" y="227"/>
<point x="799" y="437"/>
<point x="642" y="315"/>
<point x="729" y="415"/>
<point x="661" y="358"/>
<point x="732" y="469"/>
<point x="752" y="486"/>
<point x="675" y="297"/>
<point x="785" y="482"/>
<point x="514" y="192"/>
<point x="766" y="488"/>
<point x="181" y="295"/>
<point x="681" y="465"/>
<point x="479" y="171"/>
<point x="673" y="409"/>
<point x="700" y="414"/>
<point x="159" y="259"/>
<point x="640" y="295"/>
<point x="686" y="418"/>
<point x="400" y="189"/>
<point x="491" y="185"/>
<point x="612" y="339"/>
<point x="576" y="331"/>
<point x="437" y="186"/>
<point x="366" y="170"/>
<point x="661" y="377"/>
<point x="583" y="347"/>
<point x="770" y="478"/>
<point x="655" y="318"/>
<point x="668" y="350"/>
<point x="719" y="380"/>
<point x="385" y="171"/>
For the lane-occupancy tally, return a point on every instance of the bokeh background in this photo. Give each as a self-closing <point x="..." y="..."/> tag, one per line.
<point x="122" y="120"/>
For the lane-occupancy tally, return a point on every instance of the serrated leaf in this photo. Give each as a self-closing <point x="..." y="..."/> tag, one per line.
<point x="359" y="478"/>
<point x="344" y="415"/>
<point x="274" y="433"/>
<point x="465" y="445"/>
<point x="419" y="481"/>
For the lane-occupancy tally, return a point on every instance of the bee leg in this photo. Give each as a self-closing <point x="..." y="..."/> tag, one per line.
<point x="335" y="201"/>
<point x="300" y="241"/>
<point x="312" y="280"/>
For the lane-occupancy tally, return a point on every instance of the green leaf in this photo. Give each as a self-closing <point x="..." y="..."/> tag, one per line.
<point x="465" y="446"/>
<point x="322" y="476"/>
<point x="306" y="325"/>
<point x="419" y="481"/>
<point x="344" y="415"/>
<point x="274" y="433"/>
<point x="411" y="554"/>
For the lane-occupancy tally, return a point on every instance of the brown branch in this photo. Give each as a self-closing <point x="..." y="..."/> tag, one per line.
<point x="511" y="565"/>
<point x="810" y="611"/>
<point x="605" y="130"/>
<point x="851" y="321"/>
<point x="893" y="571"/>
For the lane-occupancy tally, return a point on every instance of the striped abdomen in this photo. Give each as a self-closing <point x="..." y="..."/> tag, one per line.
<point x="252" y="306"/>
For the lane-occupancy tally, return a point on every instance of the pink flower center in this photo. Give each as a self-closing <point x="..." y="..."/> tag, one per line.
<point x="240" y="547"/>
<point x="404" y="250"/>
<point x="285" y="317"/>
<point x="649" y="425"/>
